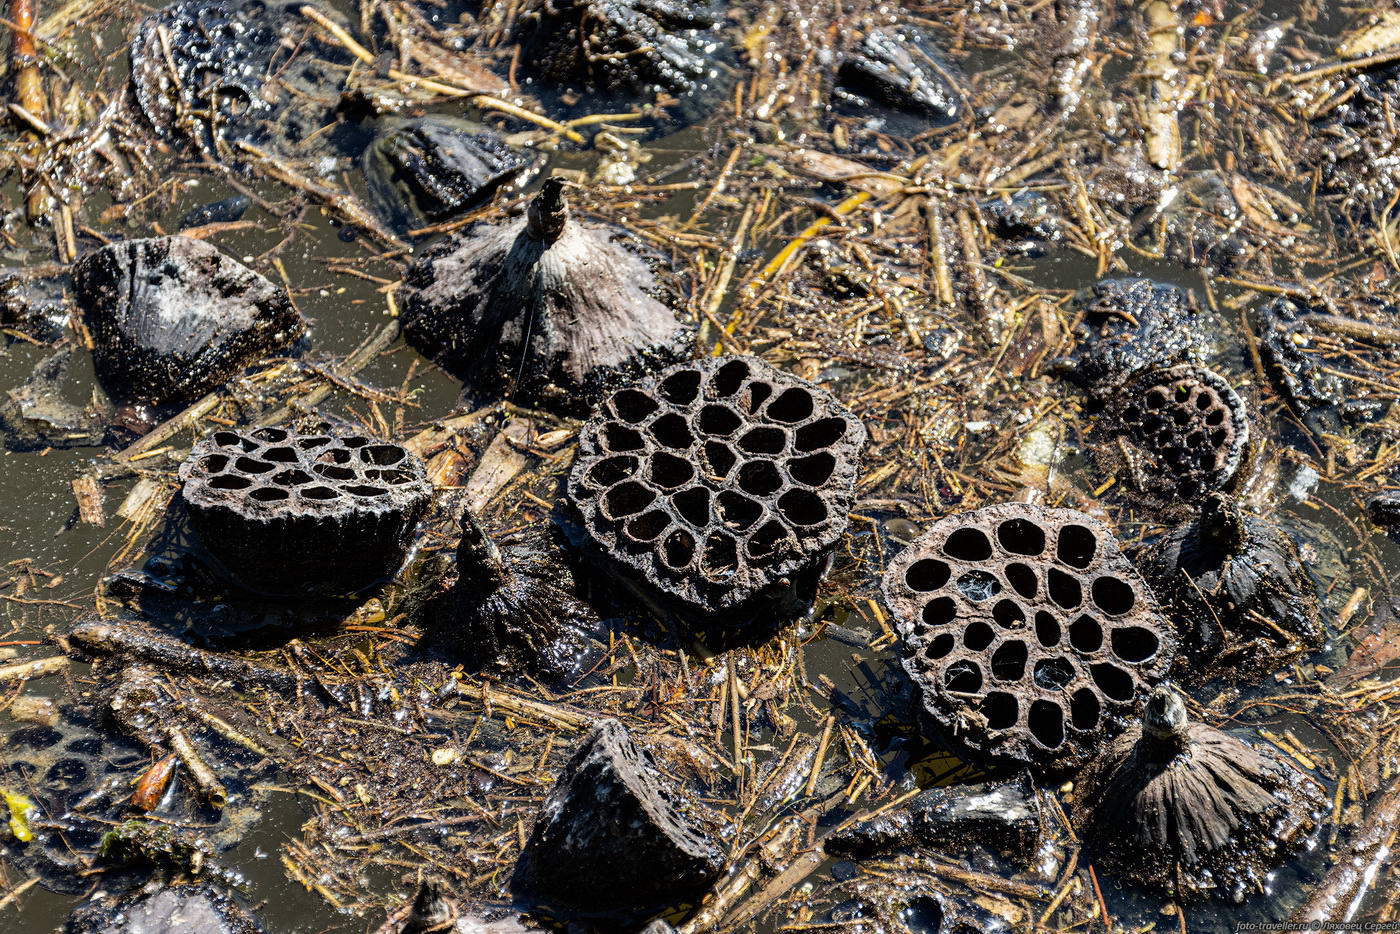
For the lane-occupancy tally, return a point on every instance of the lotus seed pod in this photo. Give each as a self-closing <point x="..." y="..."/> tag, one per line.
<point x="615" y="836"/>
<point x="1030" y="636"/>
<point x="286" y="513"/>
<point x="721" y="483"/>
<point x="545" y="309"/>
<point x="431" y="169"/>
<point x="1234" y="584"/>
<point x="630" y="53"/>
<point x="173" y="317"/>
<point x="1172" y="436"/>
<point x="216" y="70"/>
<point x="1190" y="811"/>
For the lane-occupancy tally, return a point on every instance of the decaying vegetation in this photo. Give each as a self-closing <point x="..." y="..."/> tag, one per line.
<point x="929" y="279"/>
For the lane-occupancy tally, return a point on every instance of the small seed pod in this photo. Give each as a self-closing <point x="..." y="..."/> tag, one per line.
<point x="1030" y="636"/>
<point x="173" y="317"/>
<point x="1242" y="601"/>
<point x="1172" y="436"/>
<point x="630" y="53"/>
<point x="616" y="837"/>
<point x="514" y="607"/>
<point x="1131" y="325"/>
<point x="545" y="309"/>
<point x="723" y="484"/>
<point x="286" y="513"/>
<point x="1185" y="809"/>
<point x="431" y="169"/>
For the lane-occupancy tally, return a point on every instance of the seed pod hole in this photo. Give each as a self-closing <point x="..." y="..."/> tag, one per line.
<point x="926" y="575"/>
<point x="1021" y="537"/>
<point x="968" y="545"/>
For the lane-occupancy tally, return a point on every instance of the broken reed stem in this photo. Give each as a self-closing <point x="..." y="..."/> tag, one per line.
<point x="203" y="776"/>
<point x="29" y="88"/>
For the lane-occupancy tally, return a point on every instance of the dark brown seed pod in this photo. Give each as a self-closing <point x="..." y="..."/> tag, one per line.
<point x="1030" y="636"/>
<point x="514" y="607"/>
<point x="1131" y="325"/>
<point x="614" y="837"/>
<point x="719" y="483"/>
<point x="1185" y="809"/>
<point x="1243" y="603"/>
<point x="1173" y="436"/>
<point x="630" y="52"/>
<point x="546" y="310"/>
<point x="173" y="317"/>
<point x="430" y="169"/>
<point x="282" y="512"/>
<point x="214" y="70"/>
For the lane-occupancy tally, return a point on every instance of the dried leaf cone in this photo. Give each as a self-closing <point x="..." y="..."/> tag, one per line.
<point x="1191" y="811"/>
<point x="545" y="310"/>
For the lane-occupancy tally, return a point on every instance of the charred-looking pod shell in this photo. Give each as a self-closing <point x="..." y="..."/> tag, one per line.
<point x="216" y="70"/>
<point x="720" y="483"/>
<point x="1173" y="436"/>
<point x="1131" y="325"/>
<point x="1190" y="811"/>
<point x="547" y="310"/>
<point x="1235" y="586"/>
<point x="430" y="169"/>
<point x="1030" y="636"/>
<point x="287" y="513"/>
<point x="615" y="836"/>
<point x="514" y="606"/>
<point x="173" y="317"/>
<point x="634" y="53"/>
<point x="900" y="68"/>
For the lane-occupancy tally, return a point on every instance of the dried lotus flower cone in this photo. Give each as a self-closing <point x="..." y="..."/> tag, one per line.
<point x="513" y="606"/>
<point x="1243" y="602"/>
<point x="546" y="310"/>
<point x="1183" y="808"/>
<point x="665" y="55"/>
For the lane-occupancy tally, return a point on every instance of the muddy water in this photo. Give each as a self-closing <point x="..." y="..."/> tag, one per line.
<point x="38" y="525"/>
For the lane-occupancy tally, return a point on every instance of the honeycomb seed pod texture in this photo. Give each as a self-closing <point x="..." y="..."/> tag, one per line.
<point x="1030" y="635"/>
<point x="288" y="513"/>
<point x="1185" y="430"/>
<point x="718" y="482"/>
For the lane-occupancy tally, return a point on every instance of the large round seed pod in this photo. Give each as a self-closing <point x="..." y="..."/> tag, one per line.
<point x="547" y="310"/>
<point x="226" y="70"/>
<point x="430" y="169"/>
<point x="721" y="483"/>
<point x="1172" y="436"/>
<point x="173" y="317"/>
<point x="1191" y="811"/>
<point x="669" y="54"/>
<point x="1235" y="586"/>
<point x="286" y="513"/>
<point x="1032" y="639"/>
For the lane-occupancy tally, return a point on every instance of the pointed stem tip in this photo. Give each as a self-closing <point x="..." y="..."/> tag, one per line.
<point x="549" y="212"/>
